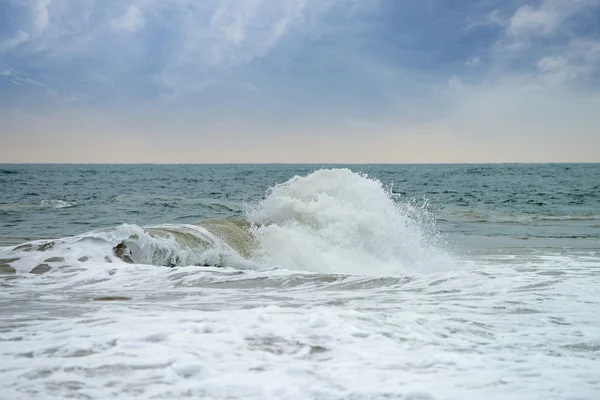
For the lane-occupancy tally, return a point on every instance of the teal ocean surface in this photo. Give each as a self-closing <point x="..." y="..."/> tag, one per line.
<point x="300" y="281"/>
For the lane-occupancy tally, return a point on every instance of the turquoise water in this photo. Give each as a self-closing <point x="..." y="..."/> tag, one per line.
<point x="300" y="281"/>
<point x="549" y="205"/>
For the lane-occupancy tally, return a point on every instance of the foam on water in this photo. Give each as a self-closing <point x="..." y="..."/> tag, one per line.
<point x="519" y="327"/>
<point x="55" y="204"/>
<point x="341" y="221"/>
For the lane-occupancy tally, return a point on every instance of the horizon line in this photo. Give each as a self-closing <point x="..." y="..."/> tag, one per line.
<point x="310" y="163"/>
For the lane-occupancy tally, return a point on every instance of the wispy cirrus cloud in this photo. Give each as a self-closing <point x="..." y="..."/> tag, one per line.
<point x="170" y="43"/>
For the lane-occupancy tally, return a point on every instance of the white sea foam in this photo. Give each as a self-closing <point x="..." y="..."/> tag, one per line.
<point x="517" y="328"/>
<point x="57" y="203"/>
<point x="341" y="221"/>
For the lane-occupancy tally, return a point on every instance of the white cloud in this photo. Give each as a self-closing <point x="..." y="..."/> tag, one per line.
<point x="241" y="31"/>
<point x="41" y="16"/>
<point x="130" y="21"/>
<point x="8" y="44"/>
<point x="559" y="70"/>
<point x="540" y="43"/>
<point x="456" y="83"/>
<point x="587" y="50"/>
<point x="473" y="61"/>
<point x="542" y="21"/>
<point x="577" y="60"/>
<point x="546" y="18"/>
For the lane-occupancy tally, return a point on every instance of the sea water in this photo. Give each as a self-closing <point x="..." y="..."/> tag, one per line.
<point x="300" y="281"/>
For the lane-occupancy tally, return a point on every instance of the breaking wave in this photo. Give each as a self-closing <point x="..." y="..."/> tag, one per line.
<point x="330" y="221"/>
<point x="341" y="221"/>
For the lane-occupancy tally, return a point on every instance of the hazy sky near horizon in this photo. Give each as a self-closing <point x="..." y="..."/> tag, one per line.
<point x="397" y="81"/>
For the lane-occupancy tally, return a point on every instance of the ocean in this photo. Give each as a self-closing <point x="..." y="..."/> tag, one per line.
<point x="414" y="282"/>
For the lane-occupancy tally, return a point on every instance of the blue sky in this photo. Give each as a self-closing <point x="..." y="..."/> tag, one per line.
<point x="299" y="81"/>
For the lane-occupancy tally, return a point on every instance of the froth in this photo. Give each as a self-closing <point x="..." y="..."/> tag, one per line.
<point x="340" y="221"/>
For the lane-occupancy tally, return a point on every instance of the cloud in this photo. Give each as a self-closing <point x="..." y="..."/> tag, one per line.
<point x="242" y="31"/>
<point x="473" y="61"/>
<point x="546" y="18"/>
<point x="214" y="31"/>
<point x="455" y="83"/>
<point x="41" y="16"/>
<point x="557" y="70"/>
<point x="20" y="38"/>
<point x="546" y="43"/>
<point x="538" y="21"/>
<point x="185" y="45"/>
<point x="130" y="21"/>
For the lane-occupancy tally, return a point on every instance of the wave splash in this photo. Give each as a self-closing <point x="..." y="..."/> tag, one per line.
<point x="330" y="221"/>
<point x="340" y="221"/>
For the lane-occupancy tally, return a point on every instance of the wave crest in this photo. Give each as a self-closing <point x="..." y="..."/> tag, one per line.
<point x="340" y="221"/>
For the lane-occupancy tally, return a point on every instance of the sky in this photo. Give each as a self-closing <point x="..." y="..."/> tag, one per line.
<point x="299" y="81"/>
